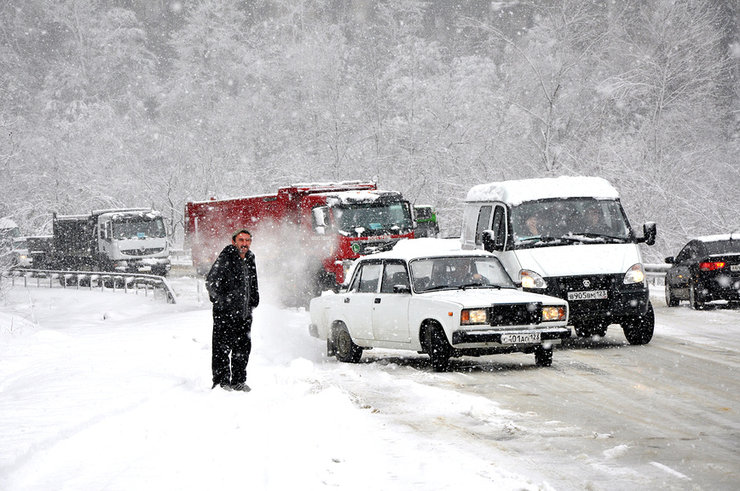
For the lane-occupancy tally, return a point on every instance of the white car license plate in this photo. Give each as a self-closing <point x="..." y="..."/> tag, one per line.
<point x="735" y="267"/>
<point x="589" y="295"/>
<point x="520" y="337"/>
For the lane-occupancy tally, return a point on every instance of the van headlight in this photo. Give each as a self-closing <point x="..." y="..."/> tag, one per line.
<point x="474" y="316"/>
<point x="636" y="274"/>
<point x="551" y="313"/>
<point x="531" y="279"/>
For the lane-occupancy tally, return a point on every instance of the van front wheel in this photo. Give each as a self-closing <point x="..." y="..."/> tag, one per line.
<point x="639" y="329"/>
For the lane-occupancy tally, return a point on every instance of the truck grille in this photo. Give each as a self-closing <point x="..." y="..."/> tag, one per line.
<point x="515" y="314"/>
<point x="142" y="252"/>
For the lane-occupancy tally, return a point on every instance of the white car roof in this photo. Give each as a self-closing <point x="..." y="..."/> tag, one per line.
<point x="407" y="249"/>
<point x="519" y="191"/>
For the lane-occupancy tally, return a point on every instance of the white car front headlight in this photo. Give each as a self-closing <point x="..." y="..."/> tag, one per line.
<point x="553" y="313"/>
<point x="474" y="316"/>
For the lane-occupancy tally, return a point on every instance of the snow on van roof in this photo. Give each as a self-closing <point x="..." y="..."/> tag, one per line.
<point x="519" y="191"/>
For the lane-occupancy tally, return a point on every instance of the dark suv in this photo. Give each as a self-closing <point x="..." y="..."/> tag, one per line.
<point x="706" y="269"/>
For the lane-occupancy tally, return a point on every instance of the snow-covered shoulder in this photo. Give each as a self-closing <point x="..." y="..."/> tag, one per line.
<point x="519" y="191"/>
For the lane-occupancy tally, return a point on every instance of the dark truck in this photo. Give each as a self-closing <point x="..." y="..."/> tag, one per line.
<point x="130" y="240"/>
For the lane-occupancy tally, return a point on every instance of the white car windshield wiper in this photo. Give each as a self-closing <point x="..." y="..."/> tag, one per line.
<point x="439" y="287"/>
<point x="479" y="285"/>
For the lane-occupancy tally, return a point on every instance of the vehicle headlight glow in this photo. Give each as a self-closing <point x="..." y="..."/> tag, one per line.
<point x="474" y="316"/>
<point x="636" y="274"/>
<point x="531" y="279"/>
<point x="553" y="313"/>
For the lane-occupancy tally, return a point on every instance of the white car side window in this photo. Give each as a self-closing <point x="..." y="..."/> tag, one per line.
<point x="369" y="278"/>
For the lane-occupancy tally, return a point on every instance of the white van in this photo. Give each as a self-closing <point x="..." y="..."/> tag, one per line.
<point x="567" y="237"/>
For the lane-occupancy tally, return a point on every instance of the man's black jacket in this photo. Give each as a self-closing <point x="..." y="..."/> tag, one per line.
<point x="232" y="284"/>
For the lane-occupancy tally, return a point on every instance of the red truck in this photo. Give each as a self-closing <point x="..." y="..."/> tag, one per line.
<point x="306" y="235"/>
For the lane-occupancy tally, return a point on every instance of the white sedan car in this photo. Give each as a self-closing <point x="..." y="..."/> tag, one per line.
<point x="433" y="298"/>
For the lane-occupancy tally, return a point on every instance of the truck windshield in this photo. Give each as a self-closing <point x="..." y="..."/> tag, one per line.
<point x="138" y="228"/>
<point x="373" y="218"/>
<point x="564" y="221"/>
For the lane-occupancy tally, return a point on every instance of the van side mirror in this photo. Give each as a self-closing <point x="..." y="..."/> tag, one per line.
<point x="670" y="259"/>
<point x="649" y="232"/>
<point x="488" y="242"/>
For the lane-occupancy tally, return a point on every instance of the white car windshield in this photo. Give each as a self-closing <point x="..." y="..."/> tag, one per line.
<point x="458" y="272"/>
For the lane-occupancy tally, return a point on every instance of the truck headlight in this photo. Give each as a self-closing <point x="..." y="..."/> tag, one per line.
<point x="636" y="274"/>
<point x="530" y="279"/>
<point x="553" y="313"/>
<point x="474" y="316"/>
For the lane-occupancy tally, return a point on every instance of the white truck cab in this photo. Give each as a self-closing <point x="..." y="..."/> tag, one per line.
<point x="567" y="237"/>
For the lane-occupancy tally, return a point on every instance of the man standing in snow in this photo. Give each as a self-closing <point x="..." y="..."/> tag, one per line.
<point x="232" y="287"/>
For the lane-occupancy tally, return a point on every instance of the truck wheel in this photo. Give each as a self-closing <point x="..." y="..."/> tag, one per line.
<point x="695" y="299"/>
<point x="438" y="348"/>
<point x="346" y="349"/>
<point x="543" y="356"/>
<point x="639" y="330"/>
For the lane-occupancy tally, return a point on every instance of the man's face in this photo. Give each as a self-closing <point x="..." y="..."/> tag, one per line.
<point x="242" y="243"/>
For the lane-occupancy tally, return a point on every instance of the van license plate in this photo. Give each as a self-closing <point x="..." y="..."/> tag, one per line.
<point x="735" y="267"/>
<point x="520" y="337"/>
<point x="589" y="295"/>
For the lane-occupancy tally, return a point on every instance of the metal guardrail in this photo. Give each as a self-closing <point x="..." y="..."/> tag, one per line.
<point x="655" y="273"/>
<point x="93" y="280"/>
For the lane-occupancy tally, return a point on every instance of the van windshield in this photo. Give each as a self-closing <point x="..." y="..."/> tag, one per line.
<point x="564" y="221"/>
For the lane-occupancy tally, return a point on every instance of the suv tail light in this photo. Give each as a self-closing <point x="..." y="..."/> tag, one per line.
<point x="711" y="266"/>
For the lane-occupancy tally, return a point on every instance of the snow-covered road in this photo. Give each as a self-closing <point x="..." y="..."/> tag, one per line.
<point x="111" y="391"/>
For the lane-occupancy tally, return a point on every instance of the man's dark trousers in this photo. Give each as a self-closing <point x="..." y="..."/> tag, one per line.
<point x="230" y="335"/>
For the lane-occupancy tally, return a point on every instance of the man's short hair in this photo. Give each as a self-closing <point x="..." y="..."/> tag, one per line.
<point x="241" y="231"/>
